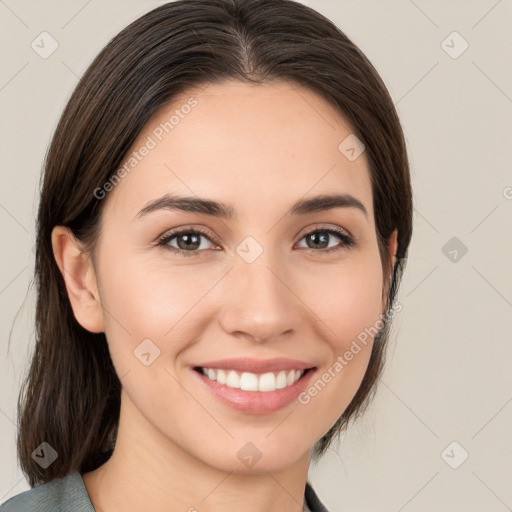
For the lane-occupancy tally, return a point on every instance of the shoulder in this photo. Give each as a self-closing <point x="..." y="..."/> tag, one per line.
<point x="59" y="495"/>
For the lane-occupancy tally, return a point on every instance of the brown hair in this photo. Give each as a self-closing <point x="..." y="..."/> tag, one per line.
<point x="71" y="395"/>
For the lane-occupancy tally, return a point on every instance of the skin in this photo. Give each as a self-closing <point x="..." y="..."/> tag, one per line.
<point x="258" y="148"/>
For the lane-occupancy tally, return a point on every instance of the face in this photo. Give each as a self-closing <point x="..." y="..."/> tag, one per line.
<point x="275" y="286"/>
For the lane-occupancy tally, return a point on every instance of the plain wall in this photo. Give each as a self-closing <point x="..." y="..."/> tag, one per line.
<point x="448" y="375"/>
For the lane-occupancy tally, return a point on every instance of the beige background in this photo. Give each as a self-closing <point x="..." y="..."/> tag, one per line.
<point x="448" y="376"/>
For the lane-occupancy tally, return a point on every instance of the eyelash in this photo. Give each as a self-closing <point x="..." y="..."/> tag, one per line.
<point x="163" y="241"/>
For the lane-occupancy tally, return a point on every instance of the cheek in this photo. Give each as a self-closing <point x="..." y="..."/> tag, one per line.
<point x="153" y="314"/>
<point x="347" y="298"/>
<point x="348" y="303"/>
<point x="156" y="301"/>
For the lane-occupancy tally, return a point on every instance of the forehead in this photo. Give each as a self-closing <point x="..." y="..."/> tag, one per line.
<point x="246" y="144"/>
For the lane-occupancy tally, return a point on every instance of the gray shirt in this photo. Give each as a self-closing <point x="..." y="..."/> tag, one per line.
<point x="69" y="494"/>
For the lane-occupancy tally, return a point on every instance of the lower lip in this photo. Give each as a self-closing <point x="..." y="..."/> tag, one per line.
<point x="256" y="402"/>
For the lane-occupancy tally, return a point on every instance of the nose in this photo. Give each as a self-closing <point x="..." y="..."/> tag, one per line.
<point x="261" y="303"/>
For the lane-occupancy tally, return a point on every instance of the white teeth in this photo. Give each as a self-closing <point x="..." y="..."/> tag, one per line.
<point x="221" y="376"/>
<point x="281" y="380"/>
<point x="254" y="382"/>
<point x="232" y="380"/>
<point x="249" y="382"/>
<point x="267" y="382"/>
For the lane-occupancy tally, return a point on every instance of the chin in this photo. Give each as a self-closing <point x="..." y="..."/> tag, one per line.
<point x="257" y="457"/>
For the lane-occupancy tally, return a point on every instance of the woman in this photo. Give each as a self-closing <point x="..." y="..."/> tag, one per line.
<point x="224" y="220"/>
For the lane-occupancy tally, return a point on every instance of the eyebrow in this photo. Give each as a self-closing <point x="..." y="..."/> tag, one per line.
<point x="225" y="211"/>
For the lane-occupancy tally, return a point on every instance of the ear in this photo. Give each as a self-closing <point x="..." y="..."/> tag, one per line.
<point x="79" y="277"/>
<point x="392" y="248"/>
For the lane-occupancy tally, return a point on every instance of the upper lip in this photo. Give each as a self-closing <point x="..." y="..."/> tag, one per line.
<point x="245" y="364"/>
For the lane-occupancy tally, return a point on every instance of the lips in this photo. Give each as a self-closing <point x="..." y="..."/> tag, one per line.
<point x="255" y="374"/>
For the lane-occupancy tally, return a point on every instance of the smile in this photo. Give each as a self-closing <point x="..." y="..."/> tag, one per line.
<point x="247" y="381"/>
<point x="252" y="385"/>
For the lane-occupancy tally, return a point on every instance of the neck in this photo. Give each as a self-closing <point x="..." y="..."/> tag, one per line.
<point x="148" y="471"/>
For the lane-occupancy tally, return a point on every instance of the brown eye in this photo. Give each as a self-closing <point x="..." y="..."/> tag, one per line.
<point x="187" y="242"/>
<point x="321" y="239"/>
